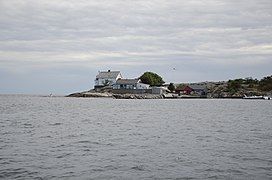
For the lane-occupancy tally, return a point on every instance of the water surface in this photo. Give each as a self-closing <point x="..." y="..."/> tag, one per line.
<point x="77" y="138"/>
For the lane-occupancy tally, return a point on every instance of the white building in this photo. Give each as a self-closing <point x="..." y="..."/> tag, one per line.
<point x="159" y="90"/>
<point x="107" y="78"/>
<point x="130" y="84"/>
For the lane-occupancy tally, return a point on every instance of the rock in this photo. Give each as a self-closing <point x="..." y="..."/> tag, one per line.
<point x="75" y="95"/>
<point x="90" y="94"/>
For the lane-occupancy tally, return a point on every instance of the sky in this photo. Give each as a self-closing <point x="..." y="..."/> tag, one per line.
<point x="59" y="46"/>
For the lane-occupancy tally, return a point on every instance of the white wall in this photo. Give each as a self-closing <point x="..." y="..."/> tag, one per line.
<point x="142" y="86"/>
<point x="101" y="81"/>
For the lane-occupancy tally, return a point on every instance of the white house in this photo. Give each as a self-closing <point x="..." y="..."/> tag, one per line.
<point x="159" y="90"/>
<point x="107" y="78"/>
<point x="130" y="84"/>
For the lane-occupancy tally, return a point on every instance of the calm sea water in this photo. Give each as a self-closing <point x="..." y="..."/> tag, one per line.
<point x="77" y="138"/>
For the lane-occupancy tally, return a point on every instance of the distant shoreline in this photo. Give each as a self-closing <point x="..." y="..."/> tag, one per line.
<point x="141" y="96"/>
<point x="123" y="96"/>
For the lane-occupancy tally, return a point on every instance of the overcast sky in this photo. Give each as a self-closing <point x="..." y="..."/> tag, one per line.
<point x="59" y="46"/>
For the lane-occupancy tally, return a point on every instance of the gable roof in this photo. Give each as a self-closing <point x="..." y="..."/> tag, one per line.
<point x="197" y="87"/>
<point x="183" y="88"/>
<point x="108" y="74"/>
<point x="127" y="81"/>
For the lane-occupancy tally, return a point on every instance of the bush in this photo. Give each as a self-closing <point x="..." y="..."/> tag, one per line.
<point x="152" y="79"/>
<point x="250" y="81"/>
<point x="234" y="85"/>
<point x="265" y="84"/>
<point x="171" y="87"/>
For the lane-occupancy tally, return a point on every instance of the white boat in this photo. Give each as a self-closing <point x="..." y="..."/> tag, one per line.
<point x="256" y="97"/>
<point x="252" y="97"/>
<point x="267" y="98"/>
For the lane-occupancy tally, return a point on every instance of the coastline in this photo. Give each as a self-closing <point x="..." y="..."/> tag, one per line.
<point x="94" y="94"/>
<point x="91" y="94"/>
<point x="114" y="96"/>
<point x="247" y="88"/>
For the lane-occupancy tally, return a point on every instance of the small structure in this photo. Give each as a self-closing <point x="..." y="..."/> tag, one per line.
<point x="130" y="84"/>
<point x="199" y="89"/>
<point x="184" y="89"/>
<point x="107" y="78"/>
<point x="192" y="89"/>
<point x="159" y="90"/>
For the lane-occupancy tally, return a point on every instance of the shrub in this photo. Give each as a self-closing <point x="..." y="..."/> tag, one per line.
<point x="152" y="79"/>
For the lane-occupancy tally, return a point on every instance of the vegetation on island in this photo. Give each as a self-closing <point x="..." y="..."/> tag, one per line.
<point x="235" y="88"/>
<point x="240" y="87"/>
<point x="171" y="87"/>
<point x="264" y="84"/>
<point x="152" y="79"/>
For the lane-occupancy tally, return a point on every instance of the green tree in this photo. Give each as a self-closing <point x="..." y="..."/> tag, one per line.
<point x="234" y="85"/>
<point x="251" y="81"/>
<point x="152" y="79"/>
<point x="171" y="87"/>
<point x="265" y="84"/>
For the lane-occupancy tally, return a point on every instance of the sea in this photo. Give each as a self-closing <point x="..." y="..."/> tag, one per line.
<point x="103" y="138"/>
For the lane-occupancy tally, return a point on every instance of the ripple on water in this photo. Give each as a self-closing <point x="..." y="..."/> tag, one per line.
<point x="16" y="173"/>
<point x="139" y="168"/>
<point x="70" y="138"/>
<point x="56" y="124"/>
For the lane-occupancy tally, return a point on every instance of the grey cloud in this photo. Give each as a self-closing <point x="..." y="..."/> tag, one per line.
<point x="139" y="35"/>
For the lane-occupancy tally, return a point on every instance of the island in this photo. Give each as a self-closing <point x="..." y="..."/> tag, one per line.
<point x="111" y="84"/>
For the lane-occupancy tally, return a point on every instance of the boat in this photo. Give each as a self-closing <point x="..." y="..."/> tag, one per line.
<point x="267" y="98"/>
<point x="257" y="97"/>
<point x="252" y="97"/>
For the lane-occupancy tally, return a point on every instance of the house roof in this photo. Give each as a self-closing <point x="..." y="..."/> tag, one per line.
<point x="108" y="74"/>
<point x="127" y="81"/>
<point x="183" y="88"/>
<point x="197" y="87"/>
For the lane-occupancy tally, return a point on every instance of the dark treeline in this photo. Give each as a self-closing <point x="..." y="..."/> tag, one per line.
<point x="265" y="84"/>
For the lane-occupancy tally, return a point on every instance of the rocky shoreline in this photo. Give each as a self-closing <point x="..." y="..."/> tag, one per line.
<point x="115" y="96"/>
<point x="93" y="94"/>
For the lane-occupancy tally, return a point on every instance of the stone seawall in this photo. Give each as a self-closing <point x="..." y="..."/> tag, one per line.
<point x="137" y="96"/>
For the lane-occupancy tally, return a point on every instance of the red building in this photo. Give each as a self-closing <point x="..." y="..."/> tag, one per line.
<point x="184" y="90"/>
<point x="192" y="89"/>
